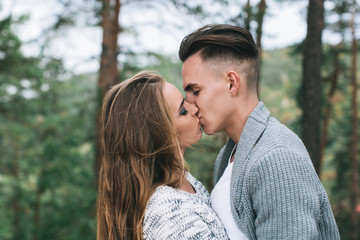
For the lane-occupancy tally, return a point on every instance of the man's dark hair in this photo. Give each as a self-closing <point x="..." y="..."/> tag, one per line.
<point x="219" y="41"/>
<point x="223" y="42"/>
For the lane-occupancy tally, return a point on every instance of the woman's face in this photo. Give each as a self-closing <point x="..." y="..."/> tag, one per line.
<point x="186" y="121"/>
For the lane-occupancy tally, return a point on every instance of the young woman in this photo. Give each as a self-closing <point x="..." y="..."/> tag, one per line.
<point x="145" y="191"/>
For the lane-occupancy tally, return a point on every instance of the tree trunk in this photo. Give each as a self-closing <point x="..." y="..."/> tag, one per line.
<point x="36" y="219"/>
<point x="109" y="73"/>
<point x="354" y="136"/>
<point x="334" y="78"/>
<point x="248" y="15"/>
<point x="260" y="19"/>
<point x="311" y="89"/>
<point x="16" y="207"/>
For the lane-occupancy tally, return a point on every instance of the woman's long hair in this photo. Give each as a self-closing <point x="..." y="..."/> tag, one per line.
<point x="141" y="152"/>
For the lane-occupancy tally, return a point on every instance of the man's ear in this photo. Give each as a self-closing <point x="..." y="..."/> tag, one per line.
<point x="234" y="82"/>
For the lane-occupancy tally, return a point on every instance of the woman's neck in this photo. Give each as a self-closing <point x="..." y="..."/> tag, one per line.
<point x="186" y="186"/>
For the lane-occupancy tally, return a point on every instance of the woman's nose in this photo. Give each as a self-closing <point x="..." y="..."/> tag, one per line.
<point x="193" y="109"/>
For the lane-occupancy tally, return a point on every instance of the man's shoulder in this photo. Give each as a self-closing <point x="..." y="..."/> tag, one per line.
<point x="278" y="136"/>
<point x="277" y="145"/>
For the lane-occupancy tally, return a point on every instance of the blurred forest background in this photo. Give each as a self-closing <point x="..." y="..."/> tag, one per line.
<point x="49" y="156"/>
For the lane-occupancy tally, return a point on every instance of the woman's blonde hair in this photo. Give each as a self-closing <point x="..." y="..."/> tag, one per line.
<point x="141" y="152"/>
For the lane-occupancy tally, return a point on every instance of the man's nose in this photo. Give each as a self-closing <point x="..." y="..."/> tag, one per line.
<point x="190" y="98"/>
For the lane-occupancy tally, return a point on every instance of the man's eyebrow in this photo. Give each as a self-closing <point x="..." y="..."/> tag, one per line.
<point x="189" y="86"/>
<point x="181" y="104"/>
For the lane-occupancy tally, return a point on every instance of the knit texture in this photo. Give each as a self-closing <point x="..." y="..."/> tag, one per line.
<point x="275" y="191"/>
<point x="175" y="214"/>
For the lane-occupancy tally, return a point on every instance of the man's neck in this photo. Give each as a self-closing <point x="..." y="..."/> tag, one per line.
<point x="237" y="124"/>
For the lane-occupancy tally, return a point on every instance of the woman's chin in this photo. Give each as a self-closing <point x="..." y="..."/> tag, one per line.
<point x="198" y="137"/>
<point x="187" y="144"/>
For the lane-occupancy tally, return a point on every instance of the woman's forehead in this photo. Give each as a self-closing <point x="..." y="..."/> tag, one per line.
<point x="172" y="95"/>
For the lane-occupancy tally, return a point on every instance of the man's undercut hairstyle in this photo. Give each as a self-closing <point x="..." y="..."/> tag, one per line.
<point x="221" y="42"/>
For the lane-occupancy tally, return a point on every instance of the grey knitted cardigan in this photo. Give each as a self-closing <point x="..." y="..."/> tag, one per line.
<point x="275" y="192"/>
<point x="178" y="215"/>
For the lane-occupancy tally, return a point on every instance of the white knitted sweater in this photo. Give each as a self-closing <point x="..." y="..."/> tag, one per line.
<point x="175" y="214"/>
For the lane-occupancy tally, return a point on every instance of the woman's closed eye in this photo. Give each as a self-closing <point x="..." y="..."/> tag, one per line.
<point x="183" y="111"/>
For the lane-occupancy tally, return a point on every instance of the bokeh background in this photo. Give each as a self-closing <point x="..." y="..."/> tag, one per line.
<point x="59" y="57"/>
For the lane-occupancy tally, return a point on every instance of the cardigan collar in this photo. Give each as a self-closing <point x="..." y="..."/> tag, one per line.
<point x="251" y="134"/>
<point x="254" y="127"/>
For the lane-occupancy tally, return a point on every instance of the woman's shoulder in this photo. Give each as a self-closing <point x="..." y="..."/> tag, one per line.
<point x="197" y="185"/>
<point x="168" y="205"/>
<point x="165" y="195"/>
<point x="175" y="214"/>
<point x="168" y="199"/>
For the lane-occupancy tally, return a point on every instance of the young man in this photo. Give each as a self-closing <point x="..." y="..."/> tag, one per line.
<point x="266" y="186"/>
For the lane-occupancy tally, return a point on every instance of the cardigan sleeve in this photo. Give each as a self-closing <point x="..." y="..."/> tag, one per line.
<point x="288" y="198"/>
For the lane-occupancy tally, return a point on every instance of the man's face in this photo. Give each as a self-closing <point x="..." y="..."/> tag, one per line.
<point x="208" y="90"/>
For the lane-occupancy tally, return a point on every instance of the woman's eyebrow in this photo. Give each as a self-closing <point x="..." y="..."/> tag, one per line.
<point x="181" y="104"/>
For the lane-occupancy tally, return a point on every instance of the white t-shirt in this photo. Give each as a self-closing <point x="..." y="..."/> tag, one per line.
<point x="220" y="201"/>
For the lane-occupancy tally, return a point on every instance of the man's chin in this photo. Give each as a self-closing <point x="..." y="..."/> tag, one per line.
<point x="207" y="131"/>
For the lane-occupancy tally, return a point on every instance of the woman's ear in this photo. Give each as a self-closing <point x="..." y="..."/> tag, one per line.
<point x="233" y="79"/>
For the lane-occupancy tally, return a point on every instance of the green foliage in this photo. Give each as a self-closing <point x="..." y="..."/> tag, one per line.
<point x="167" y="66"/>
<point x="46" y="142"/>
<point x="54" y="155"/>
<point x="201" y="158"/>
<point x="337" y="167"/>
<point x="281" y="78"/>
